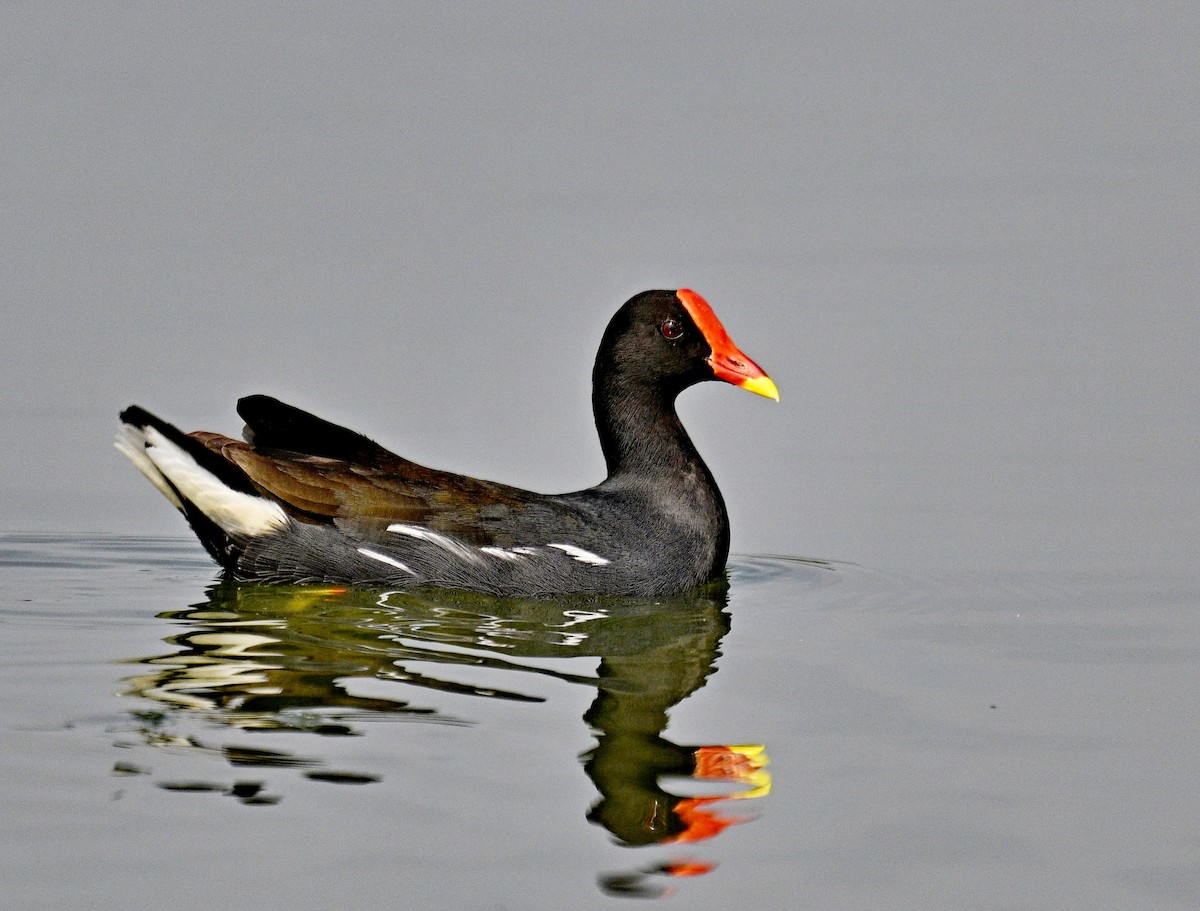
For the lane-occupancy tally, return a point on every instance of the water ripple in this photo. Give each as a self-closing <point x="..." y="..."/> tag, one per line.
<point x="51" y="551"/>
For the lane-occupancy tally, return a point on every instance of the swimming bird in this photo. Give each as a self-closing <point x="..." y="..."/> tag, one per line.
<point x="302" y="500"/>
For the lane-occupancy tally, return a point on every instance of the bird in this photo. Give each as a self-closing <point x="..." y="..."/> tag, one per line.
<point x="300" y="500"/>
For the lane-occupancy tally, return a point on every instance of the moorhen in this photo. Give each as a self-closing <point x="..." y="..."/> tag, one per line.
<point x="303" y="500"/>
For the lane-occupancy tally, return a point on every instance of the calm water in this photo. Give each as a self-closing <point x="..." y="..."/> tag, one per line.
<point x="820" y="730"/>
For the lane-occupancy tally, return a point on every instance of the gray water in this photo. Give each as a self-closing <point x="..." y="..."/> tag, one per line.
<point x="977" y="741"/>
<point x="961" y="238"/>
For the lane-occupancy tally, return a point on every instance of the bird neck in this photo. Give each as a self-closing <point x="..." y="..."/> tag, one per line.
<point x="640" y="431"/>
<point x="653" y="463"/>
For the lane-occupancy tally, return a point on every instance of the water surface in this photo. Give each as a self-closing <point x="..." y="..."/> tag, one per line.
<point x="862" y="739"/>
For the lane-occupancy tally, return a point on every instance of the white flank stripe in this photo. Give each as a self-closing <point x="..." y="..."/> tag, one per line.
<point x="235" y="512"/>
<point x="384" y="558"/>
<point x="578" y="553"/>
<point x="445" y="542"/>
<point x="502" y="553"/>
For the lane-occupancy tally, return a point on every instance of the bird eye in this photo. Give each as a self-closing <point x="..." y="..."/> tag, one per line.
<point x="671" y="329"/>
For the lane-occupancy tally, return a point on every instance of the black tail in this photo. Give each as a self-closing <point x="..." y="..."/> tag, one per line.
<point x="212" y="479"/>
<point x="213" y="462"/>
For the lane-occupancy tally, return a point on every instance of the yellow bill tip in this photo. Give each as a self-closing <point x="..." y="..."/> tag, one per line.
<point x="761" y="385"/>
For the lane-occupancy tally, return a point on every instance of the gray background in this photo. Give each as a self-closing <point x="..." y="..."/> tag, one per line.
<point x="962" y="240"/>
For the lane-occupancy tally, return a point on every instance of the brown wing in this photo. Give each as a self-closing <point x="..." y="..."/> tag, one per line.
<point x="371" y="495"/>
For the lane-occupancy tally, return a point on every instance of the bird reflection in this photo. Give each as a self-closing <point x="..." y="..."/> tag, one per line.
<point x="292" y="658"/>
